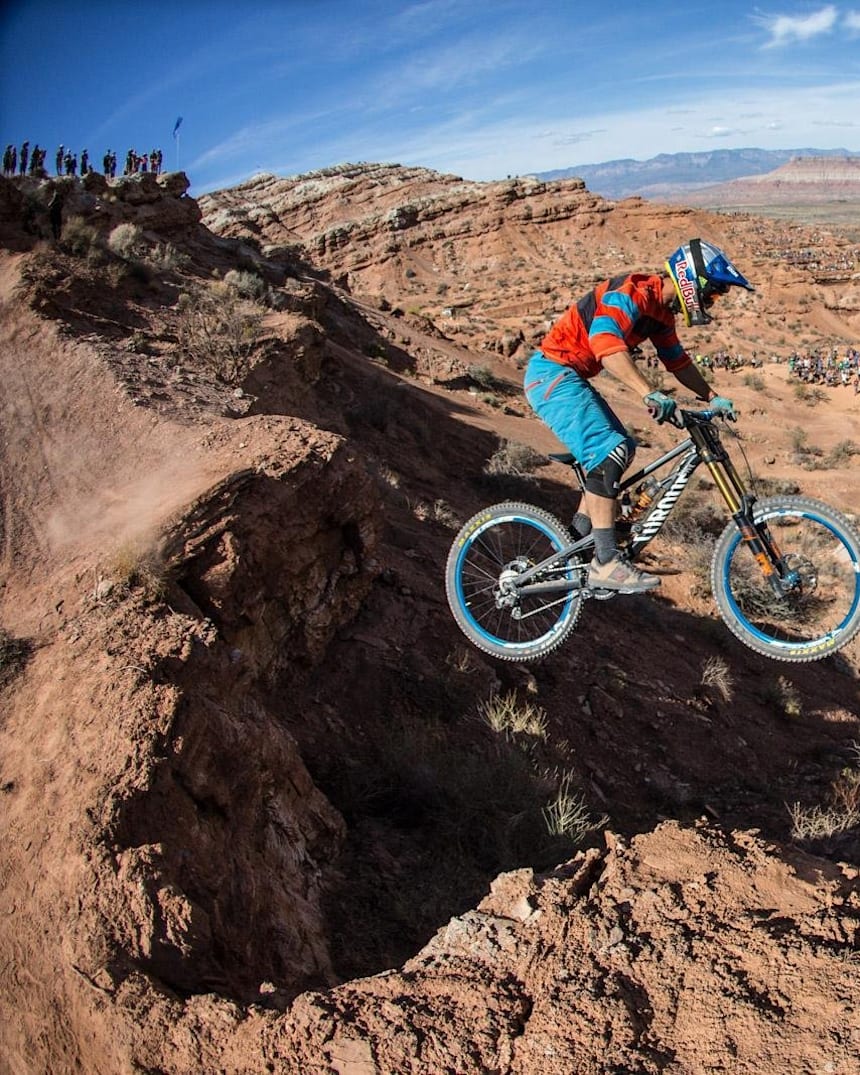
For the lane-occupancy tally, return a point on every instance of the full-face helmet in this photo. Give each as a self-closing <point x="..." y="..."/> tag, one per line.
<point x="701" y="273"/>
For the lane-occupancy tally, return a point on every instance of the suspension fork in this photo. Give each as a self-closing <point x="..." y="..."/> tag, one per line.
<point x="740" y="502"/>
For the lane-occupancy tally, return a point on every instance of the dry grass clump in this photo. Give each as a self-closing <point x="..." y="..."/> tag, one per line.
<point x="136" y="566"/>
<point x="509" y="472"/>
<point x="80" y="240"/>
<point x="782" y="695"/>
<point x="513" y="459"/>
<point x="716" y="674"/>
<point x="439" y="511"/>
<point x="839" y="814"/>
<point x="521" y="723"/>
<point x="507" y="714"/>
<point x="567" y="815"/>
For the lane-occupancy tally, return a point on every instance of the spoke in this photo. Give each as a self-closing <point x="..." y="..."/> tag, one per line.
<point x="823" y="594"/>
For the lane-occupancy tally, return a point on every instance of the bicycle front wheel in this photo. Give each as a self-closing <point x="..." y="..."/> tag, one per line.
<point x="492" y="548"/>
<point x="818" y="611"/>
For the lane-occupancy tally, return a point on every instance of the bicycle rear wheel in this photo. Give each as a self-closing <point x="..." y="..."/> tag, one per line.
<point x="819" y="611"/>
<point x="492" y="548"/>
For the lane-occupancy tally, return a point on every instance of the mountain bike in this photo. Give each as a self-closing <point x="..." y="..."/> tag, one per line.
<point x="785" y="571"/>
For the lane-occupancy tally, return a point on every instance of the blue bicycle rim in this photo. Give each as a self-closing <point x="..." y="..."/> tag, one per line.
<point x="812" y="644"/>
<point x="517" y="647"/>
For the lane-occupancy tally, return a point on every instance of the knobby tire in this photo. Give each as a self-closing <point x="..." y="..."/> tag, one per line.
<point x="500" y="542"/>
<point x="822" y="611"/>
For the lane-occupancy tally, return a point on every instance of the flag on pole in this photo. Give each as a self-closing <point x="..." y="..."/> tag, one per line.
<point x="176" y="125"/>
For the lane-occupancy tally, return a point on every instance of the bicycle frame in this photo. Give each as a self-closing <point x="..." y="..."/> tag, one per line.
<point x="702" y="446"/>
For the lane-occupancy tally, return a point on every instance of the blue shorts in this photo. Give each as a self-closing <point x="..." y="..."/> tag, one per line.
<point x="575" y="411"/>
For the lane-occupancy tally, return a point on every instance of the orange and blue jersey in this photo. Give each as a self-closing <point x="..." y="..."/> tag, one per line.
<point x="618" y="314"/>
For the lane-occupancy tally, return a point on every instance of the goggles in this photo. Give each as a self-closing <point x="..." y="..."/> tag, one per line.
<point x="711" y="292"/>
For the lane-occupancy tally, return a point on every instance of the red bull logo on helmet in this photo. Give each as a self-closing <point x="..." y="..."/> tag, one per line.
<point x="686" y="283"/>
<point x="688" y="288"/>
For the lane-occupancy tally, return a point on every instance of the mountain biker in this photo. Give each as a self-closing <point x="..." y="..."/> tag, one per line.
<point x="599" y="332"/>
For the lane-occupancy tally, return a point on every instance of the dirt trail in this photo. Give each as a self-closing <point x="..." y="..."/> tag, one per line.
<point x="91" y="475"/>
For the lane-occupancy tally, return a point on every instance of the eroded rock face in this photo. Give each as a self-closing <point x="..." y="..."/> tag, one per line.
<point x="652" y="957"/>
<point x="149" y="756"/>
<point x="355" y="215"/>
<point x="569" y="971"/>
<point x="283" y="551"/>
<point x="157" y="204"/>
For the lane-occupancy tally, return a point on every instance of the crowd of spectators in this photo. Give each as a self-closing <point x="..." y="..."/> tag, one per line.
<point x="826" y="256"/>
<point x="27" y="161"/>
<point x="823" y="366"/>
<point x="827" y="367"/>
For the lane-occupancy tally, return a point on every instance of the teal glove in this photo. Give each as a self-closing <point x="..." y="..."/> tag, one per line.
<point x="660" y="406"/>
<point x="723" y="407"/>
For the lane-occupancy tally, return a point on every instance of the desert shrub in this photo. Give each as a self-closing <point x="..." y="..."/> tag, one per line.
<point x="513" y="459"/>
<point x="820" y="822"/>
<point x="840" y="813"/>
<point x="79" y="238"/>
<point x="783" y="696"/>
<point x="484" y="377"/>
<point x="126" y="241"/>
<point x="376" y="351"/>
<point x="754" y="381"/>
<point x="138" y="343"/>
<point x="218" y="331"/>
<point x="804" y="452"/>
<point x="247" y="284"/>
<point x="797" y="439"/>
<point x="841" y="453"/>
<point x="165" y="256"/>
<point x="808" y="394"/>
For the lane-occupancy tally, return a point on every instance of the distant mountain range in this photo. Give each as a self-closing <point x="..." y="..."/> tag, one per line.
<point x="672" y="174"/>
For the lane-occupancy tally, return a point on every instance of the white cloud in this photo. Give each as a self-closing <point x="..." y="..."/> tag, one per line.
<point x="784" y="29"/>
<point x="851" y="21"/>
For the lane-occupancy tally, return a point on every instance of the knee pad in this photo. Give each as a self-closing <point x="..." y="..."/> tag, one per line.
<point x="604" y="479"/>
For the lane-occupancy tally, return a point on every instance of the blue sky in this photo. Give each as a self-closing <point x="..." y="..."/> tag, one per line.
<point x="480" y="88"/>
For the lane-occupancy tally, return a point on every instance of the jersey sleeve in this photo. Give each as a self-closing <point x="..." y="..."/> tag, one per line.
<point x="612" y="323"/>
<point x="670" y="350"/>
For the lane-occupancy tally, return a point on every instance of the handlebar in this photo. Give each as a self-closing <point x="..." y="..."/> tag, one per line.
<point x="681" y="418"/>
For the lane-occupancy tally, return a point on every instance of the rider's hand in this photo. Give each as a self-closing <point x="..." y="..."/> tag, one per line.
<point x="660" y="406"/>
<point x="723" y="407"/>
